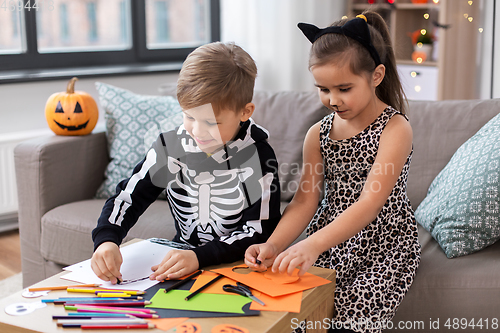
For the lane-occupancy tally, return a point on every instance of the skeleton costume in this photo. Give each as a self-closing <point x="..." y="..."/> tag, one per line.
<point x="221" y="203"/>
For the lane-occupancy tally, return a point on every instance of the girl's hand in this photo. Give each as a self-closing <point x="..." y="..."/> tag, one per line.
<point x="264" y="253"/>
<point x="303" y="255"/>
<point x="176" y="264"/>
<point x="106" y="262"/>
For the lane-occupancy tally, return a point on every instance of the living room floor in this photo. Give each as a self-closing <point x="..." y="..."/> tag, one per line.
<point x="10" y="254"/>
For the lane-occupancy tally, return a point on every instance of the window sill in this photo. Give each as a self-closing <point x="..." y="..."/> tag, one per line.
<point x="64" y="73"/>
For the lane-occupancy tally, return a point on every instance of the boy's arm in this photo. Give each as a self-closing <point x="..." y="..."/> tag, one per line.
<point x="257" y="222"/>
<point x="133" y="196"/>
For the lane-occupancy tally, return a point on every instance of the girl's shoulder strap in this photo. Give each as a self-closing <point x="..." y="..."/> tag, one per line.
<point x="325" y="126"/>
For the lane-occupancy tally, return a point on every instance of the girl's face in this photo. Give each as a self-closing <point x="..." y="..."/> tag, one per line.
<point x="342" y="91"/>
<point x="212" y="132"/>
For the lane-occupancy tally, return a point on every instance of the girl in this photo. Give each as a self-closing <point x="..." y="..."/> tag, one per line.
<point x="364" y="227"/>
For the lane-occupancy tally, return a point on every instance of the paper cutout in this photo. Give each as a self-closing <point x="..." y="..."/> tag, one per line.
<point x="287" y="303"/>
<point x="165" y="324"/>
<point x="175" y="299"/>
<point x="242" y="270"/>
<point x="215" y="288"/>
<point x="228" y="328"/>
<point x="256" y="280"/>
<point x="188" y="328"/>
<point x="282" y="278"/>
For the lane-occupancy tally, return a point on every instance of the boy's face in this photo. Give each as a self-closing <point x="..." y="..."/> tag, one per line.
<point x="211" y="132"/>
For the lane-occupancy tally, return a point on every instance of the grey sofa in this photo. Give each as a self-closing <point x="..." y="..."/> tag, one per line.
<point x="58" y="176"/>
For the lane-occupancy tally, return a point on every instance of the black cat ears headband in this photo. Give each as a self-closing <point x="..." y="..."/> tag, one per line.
<point x="356" y="29"/>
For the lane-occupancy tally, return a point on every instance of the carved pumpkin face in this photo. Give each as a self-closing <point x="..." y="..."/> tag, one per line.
<point x="70" y="112"/>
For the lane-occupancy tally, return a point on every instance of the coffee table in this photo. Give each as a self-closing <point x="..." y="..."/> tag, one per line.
<point x="317" y="304"/>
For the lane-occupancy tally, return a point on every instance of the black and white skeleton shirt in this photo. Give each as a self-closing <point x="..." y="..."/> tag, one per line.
<point x="221" y="203"/>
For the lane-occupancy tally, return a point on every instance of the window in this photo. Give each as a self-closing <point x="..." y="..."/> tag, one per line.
<point x="43" y="35"/>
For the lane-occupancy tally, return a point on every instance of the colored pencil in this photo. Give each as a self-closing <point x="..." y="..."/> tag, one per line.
<point x="101" y="321"/>
<point x="63" y="287"/>
<point x="115" y="294"/>
<point x="65" y="299"/>
<point x="112" y="303"/>
<point x="197" y="291"/>
<point x="183" y="281"/>
<point x="78" y="315"/>
<point x="108" y="309"/>
<point x="130" y="312"/>
<point x="99" y="307"/>
<point x="109" y="327"/>
<point x="93" y="291"/>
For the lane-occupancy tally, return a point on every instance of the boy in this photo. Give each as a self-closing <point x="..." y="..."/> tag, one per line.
<point x="219" y="172"/>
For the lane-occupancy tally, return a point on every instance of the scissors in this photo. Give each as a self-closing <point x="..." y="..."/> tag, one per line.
<point x="242" y="290"/>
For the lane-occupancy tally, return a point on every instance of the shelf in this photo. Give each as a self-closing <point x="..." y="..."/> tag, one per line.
<point x="402" y="6"/>
<point x="413" y="63"/>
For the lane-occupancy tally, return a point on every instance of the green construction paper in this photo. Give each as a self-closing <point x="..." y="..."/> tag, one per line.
<point x="175" y="299"/>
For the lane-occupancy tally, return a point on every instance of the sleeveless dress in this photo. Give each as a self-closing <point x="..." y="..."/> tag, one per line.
<point x="376" y="267"/>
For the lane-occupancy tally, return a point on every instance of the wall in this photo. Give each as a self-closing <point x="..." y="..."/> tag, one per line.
<point x="23" y="104"/>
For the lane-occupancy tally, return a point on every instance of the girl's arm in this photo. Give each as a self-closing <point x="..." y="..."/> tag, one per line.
<point x="300" y="210"/>
<point x="394" y="147"/>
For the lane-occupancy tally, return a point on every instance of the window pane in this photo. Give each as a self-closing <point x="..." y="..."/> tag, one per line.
<point x="83" y="25"/>
<point x="177" y="23"/>
<point x="11" y="31"/>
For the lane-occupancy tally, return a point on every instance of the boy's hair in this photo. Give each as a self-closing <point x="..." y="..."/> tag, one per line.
<point x="222" y="74"/>
<point x="339" y="48"/>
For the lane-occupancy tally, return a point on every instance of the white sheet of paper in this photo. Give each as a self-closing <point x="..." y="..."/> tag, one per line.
<point x="137" y="261"/>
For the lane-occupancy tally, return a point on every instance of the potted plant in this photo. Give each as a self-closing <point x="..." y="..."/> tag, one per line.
<point x="422" y="44"/>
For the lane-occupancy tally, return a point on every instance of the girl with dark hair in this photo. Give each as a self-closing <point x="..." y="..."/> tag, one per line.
<point x="364" y="228"/>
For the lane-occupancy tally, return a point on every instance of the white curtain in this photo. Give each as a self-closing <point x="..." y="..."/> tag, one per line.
<point x="267" y="30"/>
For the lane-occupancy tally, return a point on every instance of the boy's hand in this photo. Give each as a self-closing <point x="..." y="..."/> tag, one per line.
<point x="260" y="256"/>
<point x="106" y="262"/>
<point x="303" y="255"/>
<point x="176" y="264"/>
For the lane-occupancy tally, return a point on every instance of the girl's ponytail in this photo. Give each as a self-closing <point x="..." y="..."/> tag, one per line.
<point x="390" y="90"/>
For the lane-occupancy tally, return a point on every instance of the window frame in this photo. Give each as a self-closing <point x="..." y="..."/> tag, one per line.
<point x="31" y="61"/>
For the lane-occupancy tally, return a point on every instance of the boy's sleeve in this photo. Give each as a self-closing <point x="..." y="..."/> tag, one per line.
<point x="133" y="196"/>
<point x="258" y="221"/>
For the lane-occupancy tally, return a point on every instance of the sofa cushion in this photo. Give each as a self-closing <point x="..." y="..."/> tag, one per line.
<point x="464" y="287"/>
<point x="439" y="129"/>
<point x="133" y="122"/>
<point x="461" y="209"/>
<point x="66" y="230"/>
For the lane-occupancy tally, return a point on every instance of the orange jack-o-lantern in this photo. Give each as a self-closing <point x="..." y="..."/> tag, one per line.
<point x="188" y="328"/>
<point x="71" y="112"/>
<point x="418" y="57"/>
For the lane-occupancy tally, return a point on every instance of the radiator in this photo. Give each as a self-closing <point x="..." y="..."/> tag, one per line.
<point x="8" y="189"/>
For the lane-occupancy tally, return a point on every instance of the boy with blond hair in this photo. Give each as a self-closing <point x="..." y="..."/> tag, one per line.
<point x="218" y="170"/>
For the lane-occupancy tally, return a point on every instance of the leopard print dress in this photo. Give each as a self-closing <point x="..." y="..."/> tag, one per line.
<point x="376" y="267"/>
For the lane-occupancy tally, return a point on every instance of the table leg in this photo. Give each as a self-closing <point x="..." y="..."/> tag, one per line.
<point x="317" y="317"/>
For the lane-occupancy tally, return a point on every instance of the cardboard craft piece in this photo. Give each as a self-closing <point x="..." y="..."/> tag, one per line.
<point x="165" y="324"/>
<point x="258" y="281"/>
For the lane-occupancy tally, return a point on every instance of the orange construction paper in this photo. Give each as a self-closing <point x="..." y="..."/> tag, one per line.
<point x="215" y="288"/>
<point x="288" y="303"/>
<point x="282" y="278"/>
<point x="165" y="324"/>
<point x="188" y="328"/>
<point x="258" y="281"/>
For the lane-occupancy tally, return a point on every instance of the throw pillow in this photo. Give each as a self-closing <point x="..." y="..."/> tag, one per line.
<point x="462" y="206"/>
<point x="133" y="123"/>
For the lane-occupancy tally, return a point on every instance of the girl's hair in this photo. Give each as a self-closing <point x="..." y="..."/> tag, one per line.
<point x="221" y="74"/>
<point x="339" y="48"/>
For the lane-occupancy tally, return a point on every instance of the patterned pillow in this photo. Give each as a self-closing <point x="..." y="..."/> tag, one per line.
<point x="133" y="123"/>
<point x="462" y="207"/>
